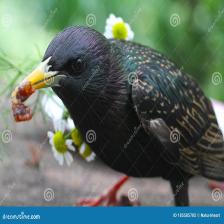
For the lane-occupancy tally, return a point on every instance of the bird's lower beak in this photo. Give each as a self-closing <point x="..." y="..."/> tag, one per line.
<point x="38" y="79"/>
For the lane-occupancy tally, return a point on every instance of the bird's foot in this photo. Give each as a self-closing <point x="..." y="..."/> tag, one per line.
<point x="107" y="199"/>
<point x="213" y="184"/>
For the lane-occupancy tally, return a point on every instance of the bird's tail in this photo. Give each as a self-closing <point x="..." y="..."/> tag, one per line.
<point x="212" y="166"/>
<point x="213" y="160"/>
<point x="206" y="157"/>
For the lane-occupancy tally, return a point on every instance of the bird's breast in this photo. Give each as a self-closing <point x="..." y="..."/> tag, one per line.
<point x="120" y="141"/>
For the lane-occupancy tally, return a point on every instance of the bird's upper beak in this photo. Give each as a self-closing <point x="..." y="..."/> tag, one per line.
<point x="41" y="77"/>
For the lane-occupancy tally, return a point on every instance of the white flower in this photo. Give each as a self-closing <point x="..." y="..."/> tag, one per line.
<point x="70" y="124"/>
<point x="116" y="28"/>
<point x="86" y="152"/>
<point x="54" y="108"/>
<point x="59" y="144"/>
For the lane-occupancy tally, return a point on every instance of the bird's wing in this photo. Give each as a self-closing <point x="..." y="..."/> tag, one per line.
<point x="170" y="105"/>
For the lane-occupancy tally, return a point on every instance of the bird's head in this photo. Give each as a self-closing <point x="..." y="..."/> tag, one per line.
<point x="76" y="62"/>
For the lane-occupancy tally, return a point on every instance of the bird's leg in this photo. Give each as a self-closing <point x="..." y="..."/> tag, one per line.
<point x="108" y="198"/>
<point x="180" y="192"/>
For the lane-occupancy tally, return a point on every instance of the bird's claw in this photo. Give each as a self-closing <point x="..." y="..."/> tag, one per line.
<point x="107" y="199"/>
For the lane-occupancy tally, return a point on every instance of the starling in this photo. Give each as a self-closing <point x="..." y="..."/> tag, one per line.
<point x="149" y="117"/>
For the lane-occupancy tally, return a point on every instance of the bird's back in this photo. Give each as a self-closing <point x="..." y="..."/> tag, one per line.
<point x="162" y="90"/>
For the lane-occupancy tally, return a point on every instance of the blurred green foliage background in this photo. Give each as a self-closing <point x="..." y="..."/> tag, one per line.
<point x="196" y="44"/>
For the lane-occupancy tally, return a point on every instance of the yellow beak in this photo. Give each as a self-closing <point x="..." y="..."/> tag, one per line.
<point x="37" y="79"/>
<point x="41" y="77"/>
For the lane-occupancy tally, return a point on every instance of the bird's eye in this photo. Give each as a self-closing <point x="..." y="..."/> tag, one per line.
<point x="78" y="65"/>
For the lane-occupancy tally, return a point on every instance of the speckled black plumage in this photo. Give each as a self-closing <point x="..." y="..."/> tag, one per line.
<point x="134" y="118"/>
